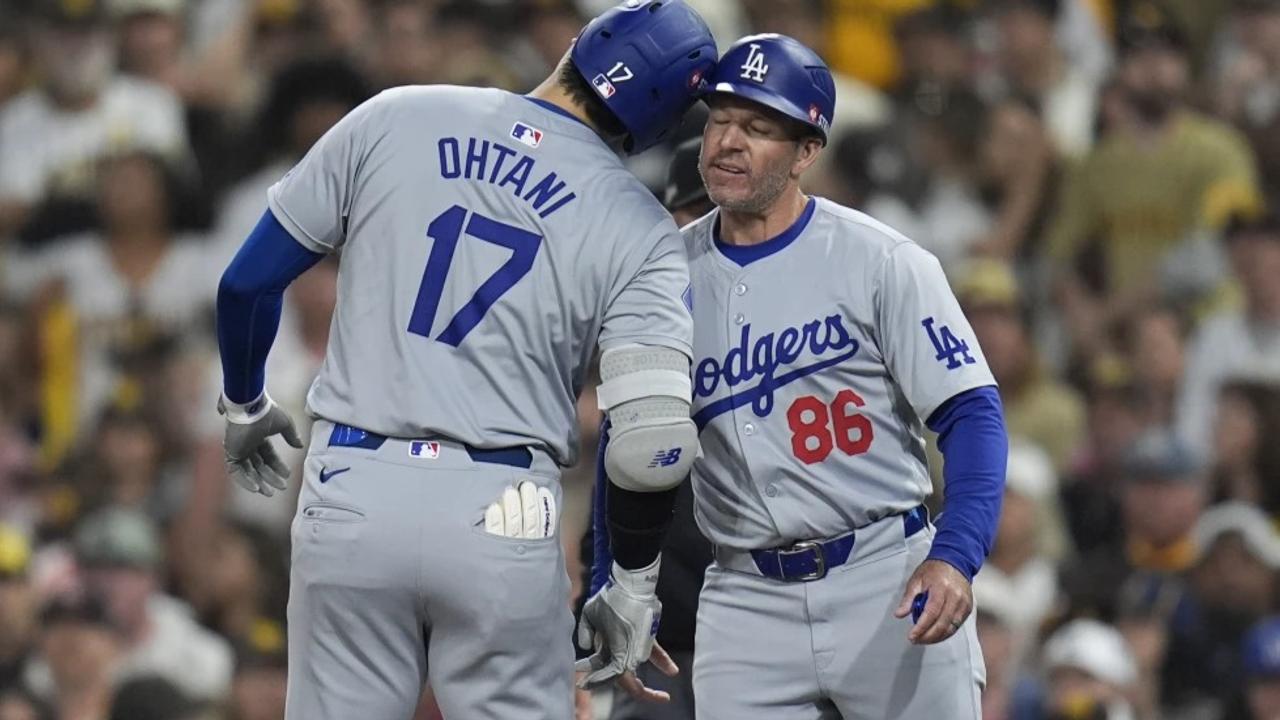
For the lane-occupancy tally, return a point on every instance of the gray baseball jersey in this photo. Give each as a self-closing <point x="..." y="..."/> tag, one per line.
<point x="814" y="365"/>
<point x="488" y="242"/>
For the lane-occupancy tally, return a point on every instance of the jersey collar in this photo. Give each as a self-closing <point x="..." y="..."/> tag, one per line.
<point x="744" y="255"/>
<point x="556" y="109"/>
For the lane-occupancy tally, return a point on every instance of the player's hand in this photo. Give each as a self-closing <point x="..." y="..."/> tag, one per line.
<point x="620" y="623"/>
<point x="583" y="703"/>
<point x="947" y="598"/>
<point x="251" y="460"/>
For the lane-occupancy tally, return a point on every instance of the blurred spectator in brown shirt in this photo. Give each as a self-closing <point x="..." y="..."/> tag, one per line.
<point x="1037" y="406"/>
<point x="1155" y="186"/>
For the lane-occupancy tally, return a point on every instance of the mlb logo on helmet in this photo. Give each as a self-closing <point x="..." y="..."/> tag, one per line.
<point x="527" y="134"/>
<point x="603" y="86"/>
<point x="424" y="449"/>
<point x="696" y="80"/>
<point x="817" y="118"/>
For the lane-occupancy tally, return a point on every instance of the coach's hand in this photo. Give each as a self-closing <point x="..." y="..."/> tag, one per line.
<point x="948" y="601"/>
<point x="620" y="623"/>
<point x="251" y="461"/>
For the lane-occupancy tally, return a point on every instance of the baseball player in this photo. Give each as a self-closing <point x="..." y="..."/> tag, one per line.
<point x="685" y="552"/>
<point x="824" y="343"/>
<point x="489" y="242"/>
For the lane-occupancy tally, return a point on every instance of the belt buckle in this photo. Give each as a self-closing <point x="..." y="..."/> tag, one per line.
<point x="821" y="561"/>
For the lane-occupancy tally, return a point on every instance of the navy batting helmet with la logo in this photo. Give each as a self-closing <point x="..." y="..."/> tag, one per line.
<point x="779" y="72"/>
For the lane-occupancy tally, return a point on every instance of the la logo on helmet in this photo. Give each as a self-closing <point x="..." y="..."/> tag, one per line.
<point x="754" y="68"/>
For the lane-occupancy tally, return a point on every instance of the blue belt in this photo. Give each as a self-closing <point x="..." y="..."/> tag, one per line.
<point x="810" y="560"/>
<point x="347" y="436"/>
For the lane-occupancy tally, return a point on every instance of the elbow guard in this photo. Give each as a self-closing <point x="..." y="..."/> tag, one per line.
<point x="646" y="392"/>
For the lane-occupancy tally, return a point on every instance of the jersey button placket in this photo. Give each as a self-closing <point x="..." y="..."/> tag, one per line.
<point x="739" y="289"/>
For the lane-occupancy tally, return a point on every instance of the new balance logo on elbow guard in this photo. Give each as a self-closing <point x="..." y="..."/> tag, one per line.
<point x="666" y="458"/>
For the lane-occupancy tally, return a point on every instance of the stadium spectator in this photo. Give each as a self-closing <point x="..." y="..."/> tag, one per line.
<point x="1154" y="185"/>
<point x="1262" y="669"/>
<point x="1019" y="175"/>
<point x="1162" y="495"/>
<point x="1091" y="672"/>
<point x="52" y="135"/>
<point x="80" y="653"/>
<point x="1233" y="586"/>
<point x="120" y="553"/>
<point x="136" y="283"/>
<point x="1034" y="66"/>
<point x="1022" y="567"/>
<point x="1155" y="338"/>
<point x="1236" y="342"/>
<point x="19" y="621"/>
<point x="1037" y="406"/>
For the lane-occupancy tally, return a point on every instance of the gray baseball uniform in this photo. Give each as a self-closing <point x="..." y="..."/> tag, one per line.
<point x="488" y="243"/>
<point x="815" y="359"/>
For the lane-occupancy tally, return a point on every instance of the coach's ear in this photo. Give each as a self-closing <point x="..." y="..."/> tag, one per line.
<point x="807" y="149"/>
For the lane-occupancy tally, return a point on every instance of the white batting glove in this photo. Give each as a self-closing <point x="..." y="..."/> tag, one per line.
<point x="526" y="512"/>
<point x="251" y="461"/>
<point x="620" y="622"/>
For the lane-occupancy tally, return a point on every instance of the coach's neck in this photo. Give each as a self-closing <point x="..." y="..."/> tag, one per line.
<point x="738" y="227"/>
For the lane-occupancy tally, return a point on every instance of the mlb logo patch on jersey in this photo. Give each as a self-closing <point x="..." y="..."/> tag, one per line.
<point x="527" y="134"/>
<point x="603" y="86"/>
<point x="424" y="449"/>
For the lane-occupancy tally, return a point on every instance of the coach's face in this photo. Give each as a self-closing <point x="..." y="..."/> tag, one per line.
<point x="751" y="154"/>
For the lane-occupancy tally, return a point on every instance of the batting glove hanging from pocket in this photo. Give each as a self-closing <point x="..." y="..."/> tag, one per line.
<point x="526" y="512"/>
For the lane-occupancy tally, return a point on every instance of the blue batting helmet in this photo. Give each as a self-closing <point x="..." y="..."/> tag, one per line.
<point x="648" y="61"/>
<point x="781" y="73"/>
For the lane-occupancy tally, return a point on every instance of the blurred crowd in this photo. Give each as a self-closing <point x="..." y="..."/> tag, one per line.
<point x="1100" y="178"/>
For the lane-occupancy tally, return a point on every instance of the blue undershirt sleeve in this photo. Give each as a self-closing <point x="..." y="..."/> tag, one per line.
<point x="250" y="296"/>
<point x="975" y="450"/>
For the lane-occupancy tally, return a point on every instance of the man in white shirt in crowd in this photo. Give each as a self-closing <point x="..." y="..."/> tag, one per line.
<point x="120" y="554"/>
<point x="52" y="135"/>
<point x="1242" y="342"/>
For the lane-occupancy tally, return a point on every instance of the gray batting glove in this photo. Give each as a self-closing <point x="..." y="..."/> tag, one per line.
<point x="251" y="461"/>
<point x="620" y="623"/>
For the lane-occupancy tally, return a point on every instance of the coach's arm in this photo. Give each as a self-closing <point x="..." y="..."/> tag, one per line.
<point x="975" y="449"/>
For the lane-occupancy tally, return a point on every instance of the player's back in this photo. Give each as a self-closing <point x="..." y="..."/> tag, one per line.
<point x="485" y="236"/>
